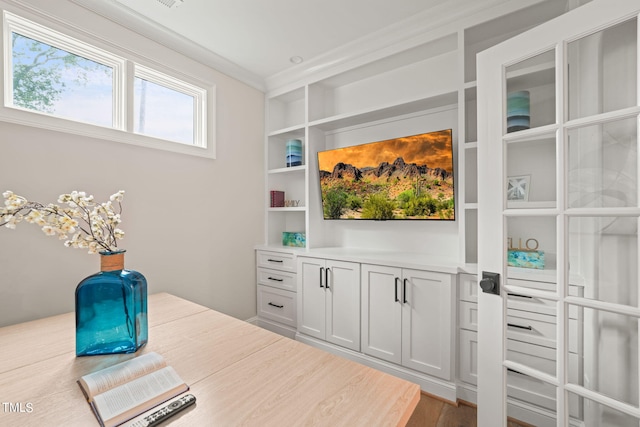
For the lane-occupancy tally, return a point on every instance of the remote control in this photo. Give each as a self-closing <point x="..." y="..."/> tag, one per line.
<point x="166" y="411"/>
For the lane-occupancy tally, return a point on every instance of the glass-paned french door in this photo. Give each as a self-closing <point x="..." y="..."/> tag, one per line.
<point x="558" y="220"/>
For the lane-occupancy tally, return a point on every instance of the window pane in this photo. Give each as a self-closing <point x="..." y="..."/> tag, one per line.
<point x="162" y="112"/>
<point x="57" y="82"/>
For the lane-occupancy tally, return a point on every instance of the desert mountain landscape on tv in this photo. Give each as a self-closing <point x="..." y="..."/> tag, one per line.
<point x="402" y="178"/>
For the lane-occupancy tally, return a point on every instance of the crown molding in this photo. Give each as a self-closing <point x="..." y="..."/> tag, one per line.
<point x="124" y="16"/>
<point x="445" y="19"/>
<point x="442" y="20"/>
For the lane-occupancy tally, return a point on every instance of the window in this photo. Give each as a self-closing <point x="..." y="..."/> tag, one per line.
<point x="72" y="85"/>
<point x="54" y="81"/>
<point x="166" y="108"/>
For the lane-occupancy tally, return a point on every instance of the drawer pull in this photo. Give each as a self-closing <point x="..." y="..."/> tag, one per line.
<point x="404" y="291"/>
<point x="275" y="260"/>
<point x="276" y="305"/>
<point x="275" y="279"/>
<point x="516" y="372"/>
<point x="519" y="296"/>
<point x="513" y="325"/>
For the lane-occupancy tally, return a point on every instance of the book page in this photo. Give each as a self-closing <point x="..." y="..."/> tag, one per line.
<point x="133" y="398"/>
<point x="108" y="378"/>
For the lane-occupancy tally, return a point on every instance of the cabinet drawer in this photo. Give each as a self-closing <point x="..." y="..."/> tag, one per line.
<point x="539" y="305"/>
<point x="276" y="304"/>
<point x="468" y="356"/>
<point x="538" y="329"/>
<point x="277" y="260"/>
<point x="277" y="279"/>
<point x="532" y="390"/>
<point x="531" y="328"/>
<point x="532" y="304"/>
<point x="468" y="287"/>
<point x="468" y="315"/>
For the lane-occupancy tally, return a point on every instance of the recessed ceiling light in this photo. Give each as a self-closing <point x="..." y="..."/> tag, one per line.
<point x="171" y="4"/>
<point x="296" y="59"/>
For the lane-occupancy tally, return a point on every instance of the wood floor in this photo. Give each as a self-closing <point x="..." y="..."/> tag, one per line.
<point x="433" y="412"/>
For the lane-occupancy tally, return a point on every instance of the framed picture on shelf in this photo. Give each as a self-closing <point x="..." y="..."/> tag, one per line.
<point x="518" y="188"/>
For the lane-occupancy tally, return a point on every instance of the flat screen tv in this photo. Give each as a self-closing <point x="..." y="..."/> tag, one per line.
<point x="407" y="178"/>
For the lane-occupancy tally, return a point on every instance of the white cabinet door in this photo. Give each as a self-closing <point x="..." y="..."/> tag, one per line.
<point x="311" y="297"/>
<point x="382" y="312"/>
<point x="329" y="301"/>
<point x="342" y="290"/>
<point x="427" y="333"/>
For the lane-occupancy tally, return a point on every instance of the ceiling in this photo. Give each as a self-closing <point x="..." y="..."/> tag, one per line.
<point x="258" y="38"/>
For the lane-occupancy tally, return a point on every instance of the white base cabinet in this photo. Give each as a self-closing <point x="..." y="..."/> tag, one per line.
<point x="384" y="314"/>
<point x="407" y="318"/>
<point x="276" y="291"/>
<point x="329" y="301"/>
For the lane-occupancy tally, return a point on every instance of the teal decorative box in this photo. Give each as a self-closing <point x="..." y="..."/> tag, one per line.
<point x="290" y="238"/>
<point x="526" y="259"/>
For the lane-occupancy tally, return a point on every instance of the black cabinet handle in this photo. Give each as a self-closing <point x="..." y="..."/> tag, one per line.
<point x="275" y="279"/>
<point x="321" y="271"/>
<point x="516" y="372"/>
<point x="519" y="296"/>
<point x="396" y="298"/>
<point x="404" y="291"/>
<point x="276" y="305"/>
<point x="326" y="277"/>
<point x="513" y="325"/>
<point x="275" y="260"/>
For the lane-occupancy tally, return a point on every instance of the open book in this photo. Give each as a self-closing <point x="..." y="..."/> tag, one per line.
<point x="126" y="390"/>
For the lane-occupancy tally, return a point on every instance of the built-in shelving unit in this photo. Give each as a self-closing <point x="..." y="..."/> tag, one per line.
<point x="429" y="85"/>
<point x="390" y="95"/>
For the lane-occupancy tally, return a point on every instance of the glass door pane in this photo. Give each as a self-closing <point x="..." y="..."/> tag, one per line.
<point x="609" y="346"/>
<point x="603" y="165"/>
<point x="602" y="258"/>
<point x="602" y="69"/>
<point x="530" y="97"/>
<point x="531" y="172"/>
<point x="597" y="414"/>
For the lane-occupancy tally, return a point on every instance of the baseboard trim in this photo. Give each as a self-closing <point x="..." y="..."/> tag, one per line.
<point x="278" y="328"/>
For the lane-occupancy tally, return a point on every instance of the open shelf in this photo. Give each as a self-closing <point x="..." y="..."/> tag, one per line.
<point x="286" y="110"/>
<point x="372" y="115"/>
<point x="291" y="169"/>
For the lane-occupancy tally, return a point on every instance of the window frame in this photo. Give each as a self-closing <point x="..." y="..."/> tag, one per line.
<point x="125" y="69"/>
<point x="199" y="95"/>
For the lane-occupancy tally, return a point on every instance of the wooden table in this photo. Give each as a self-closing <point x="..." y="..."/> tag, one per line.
<point x="240" y="374"/>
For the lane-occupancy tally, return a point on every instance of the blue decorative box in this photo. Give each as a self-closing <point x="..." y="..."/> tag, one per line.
<point x="296" y="239"/>
<point x="526" y="259"/>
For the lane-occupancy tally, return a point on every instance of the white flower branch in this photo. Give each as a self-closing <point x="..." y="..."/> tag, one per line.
<point x="100" y="231"/>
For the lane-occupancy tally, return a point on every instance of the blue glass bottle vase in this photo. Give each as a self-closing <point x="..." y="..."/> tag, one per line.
<point x="111" y="309"/>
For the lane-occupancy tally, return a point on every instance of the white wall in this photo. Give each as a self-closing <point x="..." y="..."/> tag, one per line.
<point x="190" y="223"/>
